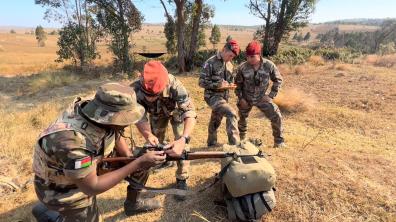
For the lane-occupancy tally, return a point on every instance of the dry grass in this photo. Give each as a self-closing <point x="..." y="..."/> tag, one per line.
<point x="387" y="61"/>
<point x="316" y="60"/>
<point x="339" y="164"/>
<point x="343" y="67"/>
<point x="284" y="69"/>
<point x="300" y="70"/>
<point x="294" y="100"/>
<point x="50" y="80"/>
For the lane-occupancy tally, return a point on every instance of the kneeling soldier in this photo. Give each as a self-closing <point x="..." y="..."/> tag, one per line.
<point x="66" y="155"/>
<point x="166" y="100"/>
<point x="252" y="80"/>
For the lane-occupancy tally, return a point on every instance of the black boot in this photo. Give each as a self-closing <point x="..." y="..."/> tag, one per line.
<point x="133" y="205"/>
<point x="43" y="214"/>
<point x="182" y="185"/>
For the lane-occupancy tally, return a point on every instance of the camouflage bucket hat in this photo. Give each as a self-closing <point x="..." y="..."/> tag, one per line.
<point x="114" y="104"/>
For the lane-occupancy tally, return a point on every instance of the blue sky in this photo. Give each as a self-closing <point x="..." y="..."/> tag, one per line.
<point x="26" y="13"/>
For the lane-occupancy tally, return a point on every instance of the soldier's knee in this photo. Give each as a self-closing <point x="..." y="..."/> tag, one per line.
<point x="42" y="213"/>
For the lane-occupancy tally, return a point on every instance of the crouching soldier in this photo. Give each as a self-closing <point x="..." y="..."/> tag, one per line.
<point x="67" y="152"/>
<point x="166" y="100"/>
<point x="252" y="80"/>
<point x="216" y="78"/>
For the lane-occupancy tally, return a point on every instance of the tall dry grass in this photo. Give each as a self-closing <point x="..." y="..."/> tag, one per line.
<point x="50" y="80"/>
<point x="295" y="100"/>
<point x="387" y="61"/>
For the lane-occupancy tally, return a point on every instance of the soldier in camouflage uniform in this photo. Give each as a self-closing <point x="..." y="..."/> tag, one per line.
<point x="166" y="100"/>
<point x="66" y="155"/>
<point x="216" y="78"/>
<point x="252" y="80"/>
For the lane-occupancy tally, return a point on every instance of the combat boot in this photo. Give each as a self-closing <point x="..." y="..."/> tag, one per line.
<point x="280" y="145"/>
<point x="212" y="139"/>
<point x="135" y="205"/>
<point x="182" y="185"/>
<point x="43" y="214"/>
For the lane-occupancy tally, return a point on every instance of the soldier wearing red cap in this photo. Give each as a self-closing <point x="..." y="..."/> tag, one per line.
<point x="217" y="80"/>
<point x="166" y="100"/>
<point x="252" y="80"/>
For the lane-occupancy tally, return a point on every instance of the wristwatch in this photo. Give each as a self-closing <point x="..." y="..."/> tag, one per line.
<point x="187" y="139"/>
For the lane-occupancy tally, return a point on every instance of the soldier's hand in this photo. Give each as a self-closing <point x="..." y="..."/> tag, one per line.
<point x="242" y="103"/>
<point x="151" y="158"/>
<point x="224" y="84"/>
<point x="267" y="99"/>
<point x="152" y="139"/>
<point x="176" y="148"/>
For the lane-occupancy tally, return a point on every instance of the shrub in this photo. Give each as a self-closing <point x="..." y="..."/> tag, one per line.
<point x="292" y="56"/>
<point x="316" y="60"/>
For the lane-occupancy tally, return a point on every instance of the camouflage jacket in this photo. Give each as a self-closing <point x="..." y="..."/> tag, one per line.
<point x="252" y="85"/>
<point x="214" y="71"/>
<point x="65" y="151"/>
<point x="173" y="101"/>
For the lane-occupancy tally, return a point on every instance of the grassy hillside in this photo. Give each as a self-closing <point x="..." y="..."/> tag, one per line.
<point x="339" y="126"/>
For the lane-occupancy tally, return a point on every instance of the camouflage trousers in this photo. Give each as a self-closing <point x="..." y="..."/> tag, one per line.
<point x="270" y="110"/>
<point x="158" y="128"/>
<point x="220" y="108"/>
<point x="86" y="214"/>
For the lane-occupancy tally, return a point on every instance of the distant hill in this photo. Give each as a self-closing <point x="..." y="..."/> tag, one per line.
<point x="360" y="21"/>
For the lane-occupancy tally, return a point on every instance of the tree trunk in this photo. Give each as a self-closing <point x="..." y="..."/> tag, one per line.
<point x="180" y="34"/>
<point x="194" y="35"/>
<point x="124" y="54"/>
<point x="266" y="43"/>
<point x="279" y="29"/>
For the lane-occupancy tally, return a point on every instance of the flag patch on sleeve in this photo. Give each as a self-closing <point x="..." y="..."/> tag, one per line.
<point x="82" y="163"/>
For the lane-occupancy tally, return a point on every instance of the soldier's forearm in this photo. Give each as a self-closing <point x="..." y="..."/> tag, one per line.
<point x="144" y="128"/>
<point x="92" y="184"/>
<point x="122" y="147"/>
<point x="189" y="124"/>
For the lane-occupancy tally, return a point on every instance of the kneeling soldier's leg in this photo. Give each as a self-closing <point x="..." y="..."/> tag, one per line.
<point x="86" y="214"/>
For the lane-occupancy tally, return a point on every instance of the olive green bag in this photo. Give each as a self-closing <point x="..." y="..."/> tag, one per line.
<point x="248" y="184"/>
<point x="246" y="175"/>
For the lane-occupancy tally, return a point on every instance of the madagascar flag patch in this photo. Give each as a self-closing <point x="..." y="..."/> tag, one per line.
<point x="82" y="163"/>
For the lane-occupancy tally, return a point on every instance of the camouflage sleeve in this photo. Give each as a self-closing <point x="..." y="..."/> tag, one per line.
<point x="276" y="81"/>
<point x="69" y="150"/>
<point x="184" y="104"/>
<point x="239" y="82"/>
<point x="205" y="78"/>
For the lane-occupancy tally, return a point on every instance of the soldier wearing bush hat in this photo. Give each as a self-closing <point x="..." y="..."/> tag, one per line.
<point x="252" y="80"/>
<point x="66" y="153"/>
<point x="216" y="78"/>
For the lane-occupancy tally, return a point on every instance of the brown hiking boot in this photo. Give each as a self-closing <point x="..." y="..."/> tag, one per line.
<point x="135" y="205"/>
<point x="140" y="206"/>
<point x="182" y="185"/>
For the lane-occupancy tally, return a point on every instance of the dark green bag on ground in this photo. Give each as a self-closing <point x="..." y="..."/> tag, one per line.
<point x="248" y="184"/>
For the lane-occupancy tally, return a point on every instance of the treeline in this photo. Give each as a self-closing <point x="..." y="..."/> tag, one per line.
<point x="361" y="21"/>
<point x="381" y="41"/>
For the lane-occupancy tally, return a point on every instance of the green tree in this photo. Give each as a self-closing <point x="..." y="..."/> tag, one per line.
<point x="295" y="36"/>
<point x="80" y="32"/>
<point x="215" y="36"/>
<point x="281" y="17"/>
<point x="12" y="31"/>
<point x="120" y="19"/>
<point x="307" y="36"/>
<point x="41" y="36"/>
<point x="300" y="38"/>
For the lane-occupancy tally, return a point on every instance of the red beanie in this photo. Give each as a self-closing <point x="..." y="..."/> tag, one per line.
<point x="233" y="46"/>
<point x="253" y="48"/>
<point x="155" y="77"/>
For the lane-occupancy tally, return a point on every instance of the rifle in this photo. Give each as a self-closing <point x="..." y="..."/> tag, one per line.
<point x="186" y="155"/>
<point x="113" y="162"/>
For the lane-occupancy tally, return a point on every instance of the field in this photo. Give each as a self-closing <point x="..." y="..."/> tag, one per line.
<point x="339" y="121"/>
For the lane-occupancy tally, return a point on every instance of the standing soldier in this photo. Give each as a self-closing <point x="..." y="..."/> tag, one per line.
<point x="252" y="80"/>
<point x="217" y="80"/>
<point x="166" y="100"/>
<point x="66" y="155"/>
